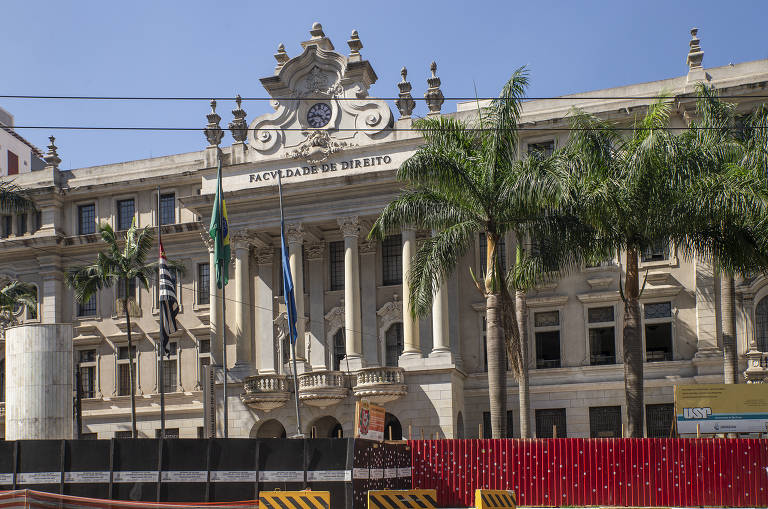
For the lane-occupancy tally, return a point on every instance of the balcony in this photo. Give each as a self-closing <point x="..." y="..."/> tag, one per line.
<point x="266" y="392"/>
<point x="322" y="388"/>
<point x="757" y="367"/>
<point x="380" y="384"/>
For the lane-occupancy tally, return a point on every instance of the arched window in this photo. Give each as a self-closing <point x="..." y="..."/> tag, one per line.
<point x="270" y="429"/>
<point x="761" y="325"/>
<point x="394" y="343"/>
<point x="339" y="349"/>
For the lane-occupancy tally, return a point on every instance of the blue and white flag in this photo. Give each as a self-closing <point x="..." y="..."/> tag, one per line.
<point x="290" y="299"/>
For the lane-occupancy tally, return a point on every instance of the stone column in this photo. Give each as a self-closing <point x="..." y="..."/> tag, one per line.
<point x="31" y="216"/>
<point x="15" y="225"/>
<point x="315" y="255"/>
<point x="263" y="311"/>
<point x="242" y="302"/>
<point x="295" y="237"/>
<point x="350" y="228"/>
<point x="411" y="343"/>
<point x="370" y="333"/>
<point x="51" y="293"/>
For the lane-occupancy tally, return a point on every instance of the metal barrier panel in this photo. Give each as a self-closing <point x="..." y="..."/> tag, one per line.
<point x="328" y="469"/>
<point x="39" y="465"/>
<point x="7" y="464"/>
<point x="135" y="465"/>
<point x="402" y="499"/>
<point x="295" y="500"/>
<point x="234" y="468"/>
<point x="183" y="470"/>
<point x="86" y="468"/>
<point x="495" y="499"/>
<point x="592" y="472"/>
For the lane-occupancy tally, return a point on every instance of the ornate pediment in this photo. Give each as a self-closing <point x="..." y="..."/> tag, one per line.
<point x="321" y="103"/>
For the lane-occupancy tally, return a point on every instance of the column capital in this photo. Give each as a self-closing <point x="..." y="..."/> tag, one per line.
<point x="315" y="251"/>
<point x="368" y="247"/>
<point x="264" y="255"/>
<point x="241" y="239"/>
<point x="207" y="240"/>
<point x="349" y="226"/>
<point x="294" y="233"/>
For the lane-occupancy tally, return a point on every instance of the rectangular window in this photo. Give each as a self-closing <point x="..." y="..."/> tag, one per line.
<point x="86" y="219"/>
<point x="125" y="213"/>
<point x="169" y="433"/>
<point x="169" y="375"/>
<point x="200" y="432"/>
<point x="123" y="434"/>
<point x="501" y="253"/>
<point x="542" y="149"/>
<point x="13" y="163"/>
<point x="548" y="420"/>
<point x="124" y="382"/>
<point x="392" y="260"/>
<point x="203" y="283"/>
<point x="659" y="420"/>
<point x="87" y="308"/>
<point x="602" y="339"/>
<point x="205" y="346"/>
<point x="394" y="343"/>
<point x="339" y="349"/>
<point x="87" y="367"/>
<point x="122" y="353"/>
<point x="7" y="228"/>
<point x="131" y="290"/>
<point x="336" y="261"/>
<point x="89" y="436"/>
<point x="21" y="224"/>
<point x="605" y="422"/>
<point x="168" y="208"/>
<point x="547" y="330"/>
<point x="658" y="331"/>
<point x="658" y="251"/>
<point x="487" y="430"/>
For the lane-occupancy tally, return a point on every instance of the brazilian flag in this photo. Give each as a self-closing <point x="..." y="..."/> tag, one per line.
<point x="219" y="232"/>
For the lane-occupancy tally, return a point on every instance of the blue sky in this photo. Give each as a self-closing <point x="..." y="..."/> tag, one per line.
<point x="220" y="48"/>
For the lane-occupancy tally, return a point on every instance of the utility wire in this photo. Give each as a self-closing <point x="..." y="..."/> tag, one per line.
<point x="386" y="129"/>
<point x="532" y="98"/>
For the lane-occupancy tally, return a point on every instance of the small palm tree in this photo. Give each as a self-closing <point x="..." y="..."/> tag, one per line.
<point x="118" y="266"/>
<point x="13" y="295"/>
<point x="14" y="199"/>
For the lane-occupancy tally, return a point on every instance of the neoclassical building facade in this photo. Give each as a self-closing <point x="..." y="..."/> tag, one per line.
<point x="338" y="150"/>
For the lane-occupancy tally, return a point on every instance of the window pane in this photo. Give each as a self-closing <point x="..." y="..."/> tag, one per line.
<point x="658" y="310"/>
<point x="87" y="308"/>
<point x="86" y="219"/>
<point x="605" y="422"/>
<point x="548" y="349"/>
<point x="658" y="342"/>
<point x="131" y="289"/>
<point x="123" y="434"/>
<point x="203" y="284"/>
<point x="602" y="346"/>
<point x="167" y="208"/>
<point x="86" y="381"/>
<point x="169" y="433"/>
<point x="125" y="212"/>
<point x="394" y="344"/>
<point x="339" y="349"/>
<point x="542" y="149"/>
<point x="336" y="261"/>
<point x="659" y="419"/>
<point x="87" y="355"/>
<point x="547" y="419"/>
<point x="169" y="375"/>
<point x="392" y="260"/>
<point x="122" y="352"/>
<point x="546" y="319"/>
<point x="659" y="251"/>
<point x="205" y="346"/>
<point x="124" y="385"/>
<point x="597" y="315"/>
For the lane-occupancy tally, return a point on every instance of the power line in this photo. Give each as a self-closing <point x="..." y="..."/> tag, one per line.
<point x="299" y="98"/>
<point x="386" y="129"/>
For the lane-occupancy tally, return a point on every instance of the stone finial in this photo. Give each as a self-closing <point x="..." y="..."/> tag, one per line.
<point x="405" y="102"/>
<point x="318" y="38"/>
<point x="317" y="30"/>
<point x="434" y="95"/>
<point x="355" y="45"/>
<point x="695" y="54"/>
<point x="281" y="56"/>
<point x="52" y="157"/>
<point x="213" y="131"/>
<point x="238" y="126"/>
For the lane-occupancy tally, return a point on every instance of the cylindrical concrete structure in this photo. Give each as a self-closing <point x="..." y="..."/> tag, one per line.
<point x="38" y="382"/>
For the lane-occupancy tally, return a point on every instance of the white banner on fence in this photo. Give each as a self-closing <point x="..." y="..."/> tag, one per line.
<point x="233" y="476"/>
<point x="377" y="473"/>
<point x="361" y="473"/>
<point x="6" y="478"/>
<point x="86" y="477"/>
<point x="329" y="475"/>
<point x="135" y="476"/>
<point x="38" y="478"/>
<point x="184" y="476"/>
<point x="404" y="472"/>
<point x="281" y="476"/>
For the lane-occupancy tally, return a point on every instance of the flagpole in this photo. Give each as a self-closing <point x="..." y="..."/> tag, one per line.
<point x="160" y="368"/>
<point x="291" y="340"/>
<point x="220" y="233"/>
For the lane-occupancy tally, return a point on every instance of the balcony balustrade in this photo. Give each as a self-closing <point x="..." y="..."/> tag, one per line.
<point x="380" y="384"/>
<point x="757" y="367"/>
<point x="266" y="392"/>
<point x="322" y="388"/>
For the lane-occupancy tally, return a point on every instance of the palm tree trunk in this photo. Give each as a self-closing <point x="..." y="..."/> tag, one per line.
<point x="497" y="365"/>
<point x="134" y="432"/>
<point x="633" y="347"/>
<point x="728" y="303"/>
<point x="523" y="387"/>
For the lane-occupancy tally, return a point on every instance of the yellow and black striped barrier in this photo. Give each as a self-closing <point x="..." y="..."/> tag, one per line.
<point x="402" y="499"/>
<point x="495" y="499"/>
<point x="295" y="499"/>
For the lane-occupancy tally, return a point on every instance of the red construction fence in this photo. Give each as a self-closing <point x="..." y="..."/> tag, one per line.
<point x="592" y="472"/>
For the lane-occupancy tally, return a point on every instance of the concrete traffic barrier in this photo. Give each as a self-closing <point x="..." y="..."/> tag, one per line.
<point x="295" y="499"/>
<point x="402" y="499"/>
<point x="495" y="499"/>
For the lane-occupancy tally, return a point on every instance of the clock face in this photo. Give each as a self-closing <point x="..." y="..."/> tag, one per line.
<point x="319" y="115"/>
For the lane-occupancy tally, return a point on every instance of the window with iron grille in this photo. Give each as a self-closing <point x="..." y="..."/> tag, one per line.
<point x="602" y="338"/>
<point x="487" y="429"/>
<point x="658" y="331"/>
<point x="124" y="381"/>
<point x="394" y="343"/>
<point x="336" y="264"/>
<point x="87" y="308"/>
<point x="546" y="421"/>
<point x="659" y="420"/>
<point x="203" y="284"/>
<point x="605" y="422"/>
<point x="87" y="367"/>
<point x="123" y="434"/>
<point x="547" y="333"/>
<point x="501" y="253"/>
<point x="168" y="208"/>
<point x="169" y="369"/>
<point x="541" y="149"/>
<point x="125" y="212"/>
<point x="89" y="436"/>
<point x="656" y="252"/>
<point x="169" y="433"/>
<point x="132" y="287"/>
<point x="339" y="349"/>
<point x="392" y="260"/>
<point x="86" y="219"/>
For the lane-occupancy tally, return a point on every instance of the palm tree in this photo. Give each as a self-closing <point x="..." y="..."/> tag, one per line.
<point x="13" y="295"/>
<point x="466" y="179"/>
<point x="118" y="266"/>
<point x="14" y="199"/>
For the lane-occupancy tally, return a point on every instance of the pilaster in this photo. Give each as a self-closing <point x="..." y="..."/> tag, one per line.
<point x="368" y="270"/>
<point x="411" y="342"/>
<point x="317" y="355"/>
<point x="243" y="353"/>
<point x="264" y="340"/>
<point x="295" y="236"/>
<point x="350" y="228"/>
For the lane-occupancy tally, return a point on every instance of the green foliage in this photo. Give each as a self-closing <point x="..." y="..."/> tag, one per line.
<point x="13" y="295"/>
<point x="14" y="199"/>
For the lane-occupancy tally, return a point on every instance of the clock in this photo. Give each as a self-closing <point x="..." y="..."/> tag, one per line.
<point x="319" y="115"/>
